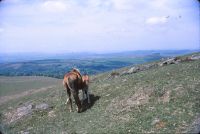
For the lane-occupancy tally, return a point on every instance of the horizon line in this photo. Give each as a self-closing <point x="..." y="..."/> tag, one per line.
<point x="98" y="52"/>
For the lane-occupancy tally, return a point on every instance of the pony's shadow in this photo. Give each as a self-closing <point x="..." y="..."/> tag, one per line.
<point x="86" y="105"/>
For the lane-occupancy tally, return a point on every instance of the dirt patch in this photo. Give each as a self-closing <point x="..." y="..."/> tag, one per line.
<point x="166" y="97"/>
<point x="118" y="105"/>
<point x="26" y="93"/>
<point x="179" y="90"/>
<point x="52" y="114"/>
<point x="135" y="100"/>
<point x="121" y="118"/>
<point x="118" y="110"/>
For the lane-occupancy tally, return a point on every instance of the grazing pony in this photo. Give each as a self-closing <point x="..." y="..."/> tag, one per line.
<point x="73" y="82"/>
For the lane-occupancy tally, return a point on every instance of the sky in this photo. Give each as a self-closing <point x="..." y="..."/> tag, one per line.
<point x="60" y="26"/>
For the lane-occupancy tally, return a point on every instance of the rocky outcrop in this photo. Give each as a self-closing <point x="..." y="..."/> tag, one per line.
<point x="195" y="57"/>
<point x="136" y="69"/>
<point x="174" y="60"/>
<point x="194" y="128"/>
<point x="42" y="106"/>
<point x="25" y="110"/>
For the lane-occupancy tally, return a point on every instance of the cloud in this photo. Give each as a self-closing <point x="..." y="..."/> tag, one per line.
<point x="55" y="6"/>
<point x="122" y="4"/>
<point x="117" y="23"/>
<point x="156" y="20"/>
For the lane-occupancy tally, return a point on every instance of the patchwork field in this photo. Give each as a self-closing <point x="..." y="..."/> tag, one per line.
<point x="57" y="67"/>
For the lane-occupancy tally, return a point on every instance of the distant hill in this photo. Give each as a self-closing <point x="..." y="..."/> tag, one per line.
<point x="58" y="67"/>
<point x="21" y="57"/>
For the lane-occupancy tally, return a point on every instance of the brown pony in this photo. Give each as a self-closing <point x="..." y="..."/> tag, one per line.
<point x="73" y="82"/>
<point x="85" y="87"/>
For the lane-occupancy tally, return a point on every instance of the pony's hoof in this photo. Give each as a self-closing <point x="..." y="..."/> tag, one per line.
<point x="79" y="110"/>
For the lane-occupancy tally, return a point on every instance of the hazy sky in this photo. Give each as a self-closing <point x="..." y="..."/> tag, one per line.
<point x="98" y="25"/>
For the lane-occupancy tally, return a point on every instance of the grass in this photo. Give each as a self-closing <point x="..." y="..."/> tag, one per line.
<point x="15" y="85"/>
<point x="159" y="100"/>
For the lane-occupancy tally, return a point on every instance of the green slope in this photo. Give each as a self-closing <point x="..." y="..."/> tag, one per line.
<point x="15" y="85"/>
<point x="158" y="100"/>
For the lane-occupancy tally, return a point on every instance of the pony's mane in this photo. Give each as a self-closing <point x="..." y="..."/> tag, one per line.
<point x="76" y="71"/>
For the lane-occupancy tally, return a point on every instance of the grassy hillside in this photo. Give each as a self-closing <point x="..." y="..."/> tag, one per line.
<point x="161" y="99"/>
<point x="15" y="85"/>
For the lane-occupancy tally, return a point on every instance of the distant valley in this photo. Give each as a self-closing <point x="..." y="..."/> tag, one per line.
<point x="57" y="65"/>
